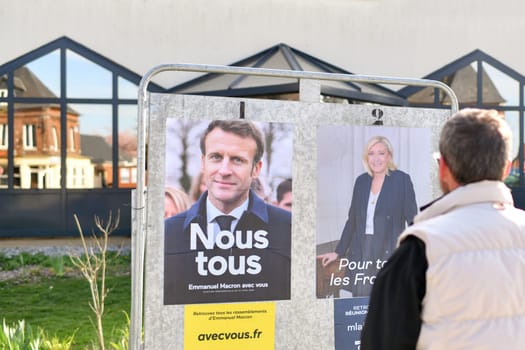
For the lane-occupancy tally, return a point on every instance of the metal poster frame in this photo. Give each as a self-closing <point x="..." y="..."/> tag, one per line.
<point x="139" y="214"/>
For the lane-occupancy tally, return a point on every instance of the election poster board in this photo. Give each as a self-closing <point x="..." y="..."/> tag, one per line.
<point x="304" y="318"/>
<point x="250" y="260"/>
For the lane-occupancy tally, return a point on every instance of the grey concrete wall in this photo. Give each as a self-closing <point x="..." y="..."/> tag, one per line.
<point x="399" y="38"/>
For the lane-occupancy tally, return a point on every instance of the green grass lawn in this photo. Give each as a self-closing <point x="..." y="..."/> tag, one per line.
<point x="60" y="305"/>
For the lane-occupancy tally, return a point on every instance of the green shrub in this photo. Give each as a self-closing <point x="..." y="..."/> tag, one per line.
<point x="57" y="263"/>
<point x="20" y="336"/>
<point x="59" y="305"/>
<point x="22" y="260"/>
<point x="55" y="343"/>
<point x="122" y="336"/>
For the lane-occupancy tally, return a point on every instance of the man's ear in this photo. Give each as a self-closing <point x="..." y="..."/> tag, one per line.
<point x="445" y="175"/>
<point x="256" y="169"/>
<point x="508" y="167"/>
<point x="443" y="169"/>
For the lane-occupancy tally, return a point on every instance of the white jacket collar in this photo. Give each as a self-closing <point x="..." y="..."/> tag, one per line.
<point x="477" y="192"/>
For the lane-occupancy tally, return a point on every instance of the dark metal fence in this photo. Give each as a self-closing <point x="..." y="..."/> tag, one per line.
<point x="50" y="213"/>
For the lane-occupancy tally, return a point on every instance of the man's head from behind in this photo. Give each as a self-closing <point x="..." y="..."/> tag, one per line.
<point x="475" y="145"/>
<point x="231" y="159"/>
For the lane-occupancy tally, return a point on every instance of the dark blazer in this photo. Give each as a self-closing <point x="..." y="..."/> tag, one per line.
<point x="395" y="208"/>
<point x="184" y="285"/>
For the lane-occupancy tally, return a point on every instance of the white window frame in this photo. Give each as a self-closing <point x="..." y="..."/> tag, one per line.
<point x="3" y="94"/>
<point x="4" y="136"/>
<point x="54" y="139"/>
<point x="125" y="175"/>
<point x="29" y="136"/>
<point x="72" y="132"/>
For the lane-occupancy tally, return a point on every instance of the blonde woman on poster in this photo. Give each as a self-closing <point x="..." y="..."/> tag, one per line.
<point x="383" y="203"/>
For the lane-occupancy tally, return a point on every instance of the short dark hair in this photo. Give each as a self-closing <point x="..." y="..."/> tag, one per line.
<point x="241" y="128"/>
<point x="476" y="144"/>
<point x="284" y="187"/>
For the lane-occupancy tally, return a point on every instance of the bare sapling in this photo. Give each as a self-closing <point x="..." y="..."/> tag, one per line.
<point x="92" y="265"/>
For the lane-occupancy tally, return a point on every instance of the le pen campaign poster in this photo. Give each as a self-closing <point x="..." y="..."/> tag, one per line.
<point x="229" y="326"/>
<point x="227" y="231"/>
<point x="382" y="179"/>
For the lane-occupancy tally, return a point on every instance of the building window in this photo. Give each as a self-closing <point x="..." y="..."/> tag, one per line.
<point x="134" y="175"/>
<point x="37" y="89"/>
<point x="4" y="141"/>
<point x="481" y="81"/>
<point x="72" y="139"/>
<point x="29" y="136"/>
<point x="3" y="94"/>
<point x="124" y="175"/>
<point x="74" y="177"/>
<point x="83" y="177"/>
<point x="54" y="139"/>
